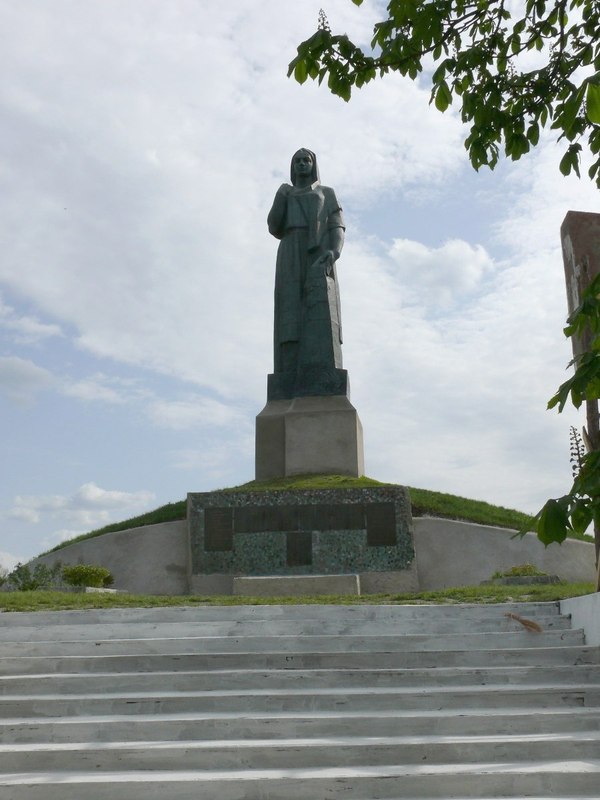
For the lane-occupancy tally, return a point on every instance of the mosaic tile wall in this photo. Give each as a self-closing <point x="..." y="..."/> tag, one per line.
<point x="306" y="532"/>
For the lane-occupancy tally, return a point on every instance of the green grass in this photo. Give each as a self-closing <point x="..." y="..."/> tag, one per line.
<point x="439" y="504"/>
<point x="309" y="482"/>
<point x="424" y="503"/>
<point x="62" y="601"/>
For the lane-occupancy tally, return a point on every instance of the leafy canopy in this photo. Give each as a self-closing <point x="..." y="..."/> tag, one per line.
<point x="482" y="53"/>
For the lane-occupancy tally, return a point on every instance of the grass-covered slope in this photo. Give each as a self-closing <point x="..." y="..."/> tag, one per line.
<point x="424" y="502"/>
<point x="60" y="601"/>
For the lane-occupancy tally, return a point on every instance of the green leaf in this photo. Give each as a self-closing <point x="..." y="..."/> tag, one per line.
<point x="592" y="103"/>
<point x="443" y="97"/>
<point x="553" y="524"/>
<point x="340" y="84"/>
<point x="581" y="516"/>
<point x="533" y="133"/>
<point x="301" y="71"/>
<point x="566" y="164"/>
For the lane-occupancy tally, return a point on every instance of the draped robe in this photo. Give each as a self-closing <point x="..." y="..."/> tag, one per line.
<point x="307" y="329"/>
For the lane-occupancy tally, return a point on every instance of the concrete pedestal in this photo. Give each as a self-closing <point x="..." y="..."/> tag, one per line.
<point x="309" y="435"/>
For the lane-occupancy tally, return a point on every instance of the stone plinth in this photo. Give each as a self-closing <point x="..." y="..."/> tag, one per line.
<point x="307" y="381"/>
<point x="309" y="435"/>
<point x="296" y="585"/>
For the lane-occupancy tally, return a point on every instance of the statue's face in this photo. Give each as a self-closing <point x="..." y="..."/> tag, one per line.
<point x="303" y="165"/>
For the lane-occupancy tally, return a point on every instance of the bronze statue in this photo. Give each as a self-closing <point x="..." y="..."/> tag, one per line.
<point x="307" y="218"/>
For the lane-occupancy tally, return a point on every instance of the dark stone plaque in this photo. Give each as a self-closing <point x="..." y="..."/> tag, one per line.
<point x="381" y="525"/>
<point x="299" y="549"/>
<point x="341" y="517"/>
<point x="284" y="518"/>
<point x="218" y="529"/>
<point x="250" y="519"/>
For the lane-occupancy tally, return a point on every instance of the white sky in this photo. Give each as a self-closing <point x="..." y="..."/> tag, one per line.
<point x="141" y="143"/>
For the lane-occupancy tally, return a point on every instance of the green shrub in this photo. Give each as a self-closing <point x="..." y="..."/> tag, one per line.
<point x="87" y="575"/>
<point x="23" y="579"/>
<point x="520" y="571"/>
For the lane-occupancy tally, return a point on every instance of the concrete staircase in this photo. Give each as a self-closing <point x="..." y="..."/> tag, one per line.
<point x="298" y="702"/>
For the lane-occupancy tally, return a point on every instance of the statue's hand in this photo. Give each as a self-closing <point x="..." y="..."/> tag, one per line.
<point x="329" y="259"/>
<point x="284" y="189"/>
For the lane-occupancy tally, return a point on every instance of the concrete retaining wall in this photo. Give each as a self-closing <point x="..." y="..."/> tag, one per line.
<point x="585" y="613"/>
<point x="154" y="559"/>
<point x="454" y="553"/>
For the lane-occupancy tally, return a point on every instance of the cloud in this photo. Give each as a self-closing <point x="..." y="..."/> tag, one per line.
<point x="99" y="388"/>
<point x="89" y="506"/>
<point x="21" y="379"/>
<point x="218" y="460"/>
<point x="454" y="399"/>
<point x="27" y="330"/>
<point x="59" y="536"/>
<point x="8" y="561"/>
<point x="194" y="411"/>
<point x="443" y="274"/>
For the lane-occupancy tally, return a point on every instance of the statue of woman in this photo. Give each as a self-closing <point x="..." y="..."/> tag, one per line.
<point x="307" y="218"/>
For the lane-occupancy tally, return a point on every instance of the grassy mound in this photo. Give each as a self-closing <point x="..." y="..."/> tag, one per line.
<point x="424" y="503"/>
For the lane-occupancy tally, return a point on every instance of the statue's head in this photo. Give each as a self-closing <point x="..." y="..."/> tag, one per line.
<point x="302" y="160"/>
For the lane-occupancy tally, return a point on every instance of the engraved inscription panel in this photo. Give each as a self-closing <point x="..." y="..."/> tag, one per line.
<point x="218" y="529"/>
<point x="341" y="517"/>
<point x="299" y="549"/>
<point x="250" y="519"/>
<point x="381" y="525"/>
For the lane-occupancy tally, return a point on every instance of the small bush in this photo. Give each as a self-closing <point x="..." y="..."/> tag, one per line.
<point x="520" y="571"/>
<point x="87" y="575"/>
<point x="23" y="579"/>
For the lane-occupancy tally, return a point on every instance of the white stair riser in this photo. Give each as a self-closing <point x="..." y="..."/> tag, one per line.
<point x="297" y="613"/>
<point x="425" y="698"/>
<point x="270" y="755"/>
<point x="351" y="627"/>
<point x="454" y="723"/>
<point x="294" y="679"/>
<point x="226" y="661"/>
<point x="545" y="783"/>
<point x="302" y="644"/>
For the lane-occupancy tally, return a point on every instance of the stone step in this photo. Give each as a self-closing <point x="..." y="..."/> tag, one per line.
<point x="563" y="778"/>
<point x="300" y="643"/>
<point x="96" y="659"/>
<point x="531" y="696"/>
<point x="240" y="613"/>
<point x="280" y="725"/>
<point x="212" y="680"/>
<point x="349" y="627"/>
<point x="343" y="751"/>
